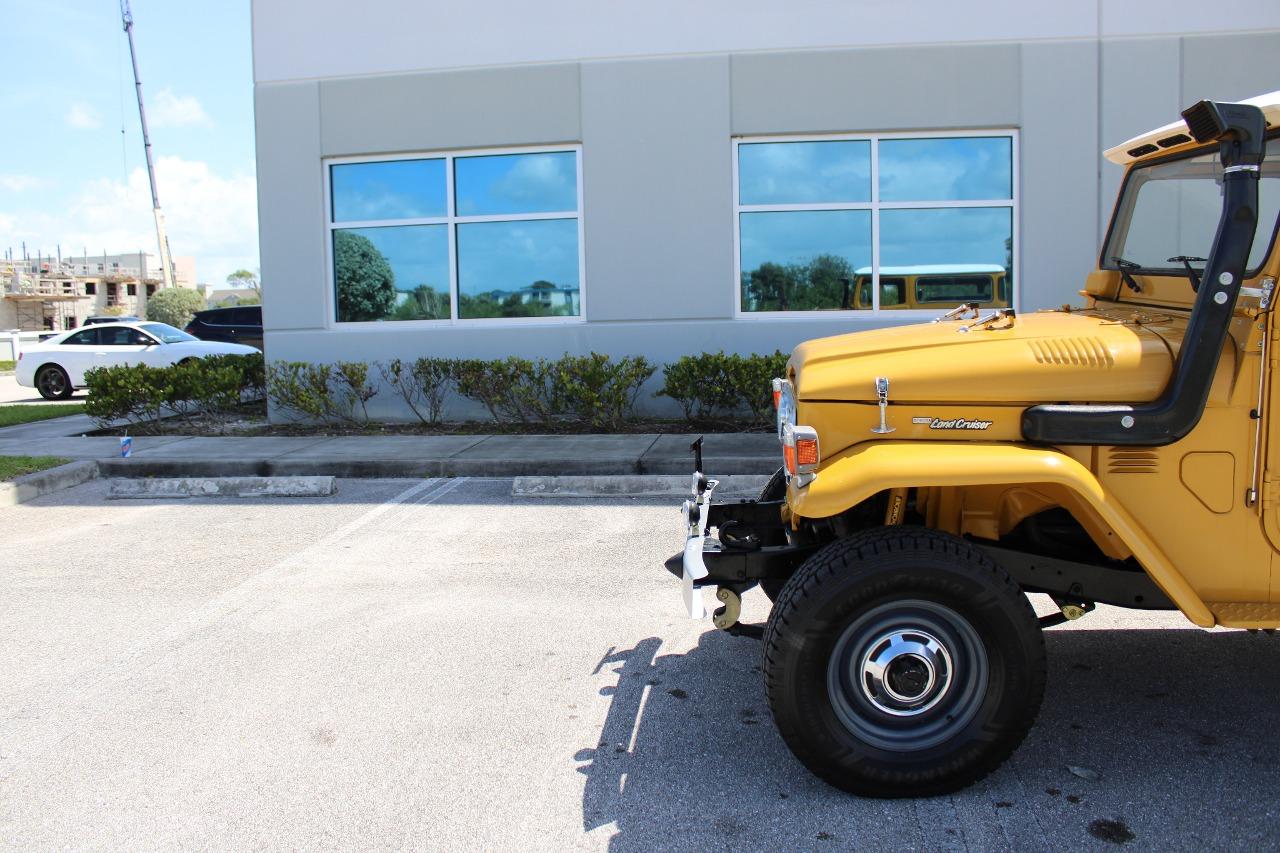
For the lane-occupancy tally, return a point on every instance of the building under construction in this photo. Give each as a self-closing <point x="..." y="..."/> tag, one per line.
<point x="47" y="294"/>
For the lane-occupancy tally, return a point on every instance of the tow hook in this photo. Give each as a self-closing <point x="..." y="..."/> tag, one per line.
<point x="726" y="618"/>
<point x="1068" y="611"/>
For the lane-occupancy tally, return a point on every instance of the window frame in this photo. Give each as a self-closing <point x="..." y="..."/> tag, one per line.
<point x="451" y="220"/>
<point x="875" y="206"/>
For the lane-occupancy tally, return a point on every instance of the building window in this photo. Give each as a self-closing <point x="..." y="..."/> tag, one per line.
<point x="151" y="290"/>
<point x="90" y="288"/>
<point x="872" y="223"/>
<point x="131" y="289"/>
<point x="457" y="237"/>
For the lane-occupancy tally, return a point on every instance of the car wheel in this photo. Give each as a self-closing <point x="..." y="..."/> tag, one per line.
<point x="903" y="662"/>
<point x="53" y="383"/>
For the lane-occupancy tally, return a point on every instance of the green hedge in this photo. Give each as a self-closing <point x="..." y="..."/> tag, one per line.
<point x="211" y="388"/>
<point x="718" y="387"/>
<point x="593" y="390"/>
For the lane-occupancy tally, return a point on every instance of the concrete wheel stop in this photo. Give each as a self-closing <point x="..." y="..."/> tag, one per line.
<point x="220" y="487"/>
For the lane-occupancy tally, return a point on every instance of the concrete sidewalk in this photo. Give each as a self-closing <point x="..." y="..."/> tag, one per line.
<point x="394" y="455"/>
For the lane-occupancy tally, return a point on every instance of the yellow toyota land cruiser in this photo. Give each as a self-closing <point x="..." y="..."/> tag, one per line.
<point x="1126" y="452"/>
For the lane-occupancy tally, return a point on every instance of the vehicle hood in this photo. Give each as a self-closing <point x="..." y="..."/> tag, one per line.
<point x="215" y="348"/>
<point x="1037" y="358"/>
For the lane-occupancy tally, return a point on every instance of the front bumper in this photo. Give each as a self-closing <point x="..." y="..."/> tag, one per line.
<point x="752" y="543"/>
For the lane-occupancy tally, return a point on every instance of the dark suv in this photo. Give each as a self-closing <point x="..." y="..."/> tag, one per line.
<point x="241" y="325"/>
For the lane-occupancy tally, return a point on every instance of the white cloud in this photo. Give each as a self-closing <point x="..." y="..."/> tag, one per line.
<point x="172" y="110"/>
<point x="81" y="116"/>
<point x="19" y="183"/>
<point x="209" y="216"/>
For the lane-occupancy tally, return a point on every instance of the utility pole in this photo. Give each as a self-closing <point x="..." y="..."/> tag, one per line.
<point x="166" y="266"/>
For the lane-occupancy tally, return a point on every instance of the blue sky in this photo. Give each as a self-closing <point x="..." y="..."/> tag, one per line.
<point x="65" y="176"/>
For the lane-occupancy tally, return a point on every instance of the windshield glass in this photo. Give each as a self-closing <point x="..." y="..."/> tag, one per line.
<point x="1170" y="209"/>
<point x="166" y="333"/>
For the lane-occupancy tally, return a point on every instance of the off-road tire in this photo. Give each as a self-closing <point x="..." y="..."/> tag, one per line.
<point x="53" y="383"/>
<point x="839" y="608"/>
<point x="774" y="490"/>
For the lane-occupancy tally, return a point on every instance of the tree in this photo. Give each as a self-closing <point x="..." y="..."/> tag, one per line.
<point x="174" y="305"/>
<point x="245" y="278"/>
<point x="366" y="282"/>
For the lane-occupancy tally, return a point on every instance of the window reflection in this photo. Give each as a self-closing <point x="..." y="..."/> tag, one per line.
<point x="518" y="269"/>
<point x="396" y="189"/>
<point x="804" y="172"/>
<point x="392" y="273"/>
<point x="802" y="260"/>
<point x="516" y="183"/>
<point x="948" y="169"/>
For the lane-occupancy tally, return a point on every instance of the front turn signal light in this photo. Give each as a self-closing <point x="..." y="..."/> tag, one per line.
<point x="800" y="450"/>
<point x="777" y="393"/>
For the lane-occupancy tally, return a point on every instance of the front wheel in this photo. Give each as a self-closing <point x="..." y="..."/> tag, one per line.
<point x="903" y="662"/>
<point x="53" y="383"/>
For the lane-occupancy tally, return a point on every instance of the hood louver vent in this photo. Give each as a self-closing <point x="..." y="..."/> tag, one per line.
<point x="1078" y="352"/>
<point x="1132" y="462"/>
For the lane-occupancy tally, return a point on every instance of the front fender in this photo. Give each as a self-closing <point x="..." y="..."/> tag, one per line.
<point x="856" y="474"/>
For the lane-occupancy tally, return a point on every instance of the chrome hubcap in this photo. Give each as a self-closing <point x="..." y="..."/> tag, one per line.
<point x="905" y="672"/>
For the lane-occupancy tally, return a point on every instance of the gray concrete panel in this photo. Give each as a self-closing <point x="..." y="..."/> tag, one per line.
<point x="291" y="216"/>
<point x="657" y="178"/>
<point x="1059" y="171"/>
<point x="526" y="105"/>
<point x="1141" y="89"/>
<point x="1229" y="67"/>
<point x="894" y="88"/>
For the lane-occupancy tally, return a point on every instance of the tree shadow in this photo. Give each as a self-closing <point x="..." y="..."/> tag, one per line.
<point x="1177" y="725"/>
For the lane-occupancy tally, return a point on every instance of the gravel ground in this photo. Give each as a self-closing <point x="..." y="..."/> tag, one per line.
<point x="438" y="665"/>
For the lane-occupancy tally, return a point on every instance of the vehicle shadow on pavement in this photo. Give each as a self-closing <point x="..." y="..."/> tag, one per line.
<point x="1166" y="736"/>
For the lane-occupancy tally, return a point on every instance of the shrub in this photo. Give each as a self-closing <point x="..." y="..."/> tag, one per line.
<point x="327" y="393"/>
<point x="512" y="389"/>
<point x="211" y="387"/>
<point x="422" y="384"/>
<point x="717" y="386"/>
<point x="601" y="392"/>
<point x="174" y="305"/>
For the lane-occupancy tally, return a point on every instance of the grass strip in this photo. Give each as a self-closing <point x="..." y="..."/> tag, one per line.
<point x="16" y="466"/>
<point x="12" y="415"/>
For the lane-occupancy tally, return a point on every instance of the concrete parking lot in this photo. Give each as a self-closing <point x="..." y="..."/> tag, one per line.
<point x="435" y="664"/>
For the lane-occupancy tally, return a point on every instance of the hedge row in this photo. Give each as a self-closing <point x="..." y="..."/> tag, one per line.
<point x="212" y="388"/>
<point x="594" y="390"/>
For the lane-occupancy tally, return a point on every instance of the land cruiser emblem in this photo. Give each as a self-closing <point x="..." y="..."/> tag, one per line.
<point x="952" y="423"/>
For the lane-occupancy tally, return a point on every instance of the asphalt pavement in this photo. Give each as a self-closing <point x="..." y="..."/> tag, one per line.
<point x="435" y="664"/>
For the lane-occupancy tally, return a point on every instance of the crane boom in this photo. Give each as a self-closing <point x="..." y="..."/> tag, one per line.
<point x="166" y="264"/>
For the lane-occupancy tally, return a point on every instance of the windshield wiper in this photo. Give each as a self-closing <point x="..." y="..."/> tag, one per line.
<point x="1186" y="260"/>
<point x="1126" y="272"/>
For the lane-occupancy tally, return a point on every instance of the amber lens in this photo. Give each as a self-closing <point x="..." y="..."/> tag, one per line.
<point x="807" y="451"/>
<point x="789" y="458"/>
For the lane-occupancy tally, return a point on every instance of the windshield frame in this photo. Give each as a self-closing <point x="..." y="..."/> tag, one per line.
<point x="1104" y="257"/>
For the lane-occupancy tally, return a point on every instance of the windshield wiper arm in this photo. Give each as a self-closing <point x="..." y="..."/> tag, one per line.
<point x="1126" y="272"/>
<point x="1186" y="260"/>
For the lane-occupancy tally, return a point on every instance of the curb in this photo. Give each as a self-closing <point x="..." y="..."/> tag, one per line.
<point x="31" y="486"/>
<point x="221" y="487"/>
<point x="631" y="486"/>
<point x="137" y="467"/>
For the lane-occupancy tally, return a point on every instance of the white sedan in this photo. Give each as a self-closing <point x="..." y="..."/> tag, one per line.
<point x="56" y="367"/>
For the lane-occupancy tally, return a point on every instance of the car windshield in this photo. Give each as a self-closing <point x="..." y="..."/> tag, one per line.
<point x="1171" y="209"/>
<point x="166" y="333"/>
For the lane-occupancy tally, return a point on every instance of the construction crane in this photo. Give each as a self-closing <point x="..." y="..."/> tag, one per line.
<point x="166" y="264"/>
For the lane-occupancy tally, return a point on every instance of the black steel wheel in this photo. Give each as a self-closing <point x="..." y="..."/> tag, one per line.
<point x="53" y="383"/>
<point x="903" y="662"/>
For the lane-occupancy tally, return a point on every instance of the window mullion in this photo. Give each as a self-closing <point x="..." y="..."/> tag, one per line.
<point x="875" y="227"/>
<point x="455" y="293"/>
